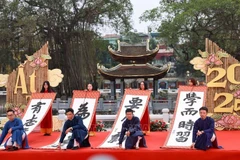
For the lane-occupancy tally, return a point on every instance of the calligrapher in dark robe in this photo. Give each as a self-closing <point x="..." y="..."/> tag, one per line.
<point x="131" y="128"/>
<point x="204" y="136"/>
<point x="46" y="124"/>
<point x="18" y="138"/>
<point x="75" y="125"/>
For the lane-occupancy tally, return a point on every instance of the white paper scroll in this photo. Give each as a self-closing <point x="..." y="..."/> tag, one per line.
<point x="186" y="113"/>
<point x="36" y="111"/>
<point x="138" y="103"/>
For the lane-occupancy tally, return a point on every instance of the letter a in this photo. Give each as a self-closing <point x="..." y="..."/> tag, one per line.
<point x="23" y="82"/>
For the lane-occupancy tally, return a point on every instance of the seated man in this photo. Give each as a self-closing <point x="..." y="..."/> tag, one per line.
<point x="131" y="128"/>
<point x="75" y="125"/>
<point x="204" y="136"/>
<point x="18" y="138"/>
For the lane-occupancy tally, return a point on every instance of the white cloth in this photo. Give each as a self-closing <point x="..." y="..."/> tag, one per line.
<point x="10" y="143"/>
<point x="213" y="137"/>
<point x="75" y="143"/>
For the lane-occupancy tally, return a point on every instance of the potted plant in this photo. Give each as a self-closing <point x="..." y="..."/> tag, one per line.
<point x="100" y="126"/>
<point x="158" y="125"/>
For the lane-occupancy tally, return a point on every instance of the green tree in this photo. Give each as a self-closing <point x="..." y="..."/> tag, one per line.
<point x="186" y="23"/>
<point x="102" y="54"/>
<point x="71" y="28"/>
<point x="16" y="34"/>
<point x="131" y="37"/>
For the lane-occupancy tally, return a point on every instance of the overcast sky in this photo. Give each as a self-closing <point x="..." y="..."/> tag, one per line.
<point x="139" y="6"/>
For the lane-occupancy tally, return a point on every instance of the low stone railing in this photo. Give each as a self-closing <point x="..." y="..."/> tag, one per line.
<point x="58" y="120"/>
<point x="165" y="116"/>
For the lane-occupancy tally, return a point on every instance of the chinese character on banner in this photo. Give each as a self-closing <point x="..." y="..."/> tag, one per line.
<point x="83" y="111"/>
<point x="37" y="107"/>
<point x="135" y="102"/>
<point x="189" y="111"/>
<point x="187" y="125"/>
<point x="191" y="98"/>
<point x="114" y="137"/>
<point x="31" y="122"/>
<point x="183" y="136"/>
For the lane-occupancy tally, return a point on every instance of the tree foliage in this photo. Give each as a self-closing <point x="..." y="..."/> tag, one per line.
<point x="71" y="28"/>
<point x="16" y="34"/>
<point x="186" y="23"/>
<point x="131" y="38"/>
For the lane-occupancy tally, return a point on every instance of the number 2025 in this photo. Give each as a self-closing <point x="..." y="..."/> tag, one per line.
<point x="229" y="97"/>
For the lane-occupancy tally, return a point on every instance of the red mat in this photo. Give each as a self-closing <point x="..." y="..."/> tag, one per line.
<point x="228" y="139"/>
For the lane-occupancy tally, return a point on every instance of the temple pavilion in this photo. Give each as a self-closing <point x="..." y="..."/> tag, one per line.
<point x="134" y="63"/>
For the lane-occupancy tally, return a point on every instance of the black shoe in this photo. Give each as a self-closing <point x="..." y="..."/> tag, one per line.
<point x="75" y="148"/>
<point x="13" y="148"/>
<point x="9" y="147"/>
<point x="47" y="134"/>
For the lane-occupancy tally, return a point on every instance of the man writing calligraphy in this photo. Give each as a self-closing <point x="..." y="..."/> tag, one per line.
<point x="131" y="128"/>
<point x="204" y="136"/>
<point x="18" y="138"/>
<point x="75" y="125"/>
